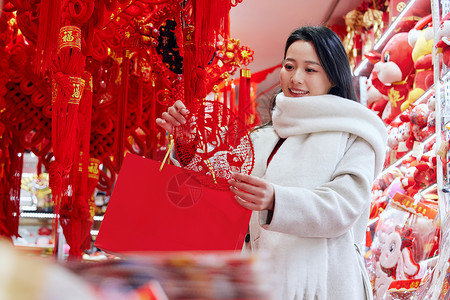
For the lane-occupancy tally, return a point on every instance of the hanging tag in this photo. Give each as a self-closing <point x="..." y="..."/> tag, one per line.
<point x="402" y="147"/>
<point x="418" y="149"/>
<point x="393" y="157"/>
<point x="443" y="150"/>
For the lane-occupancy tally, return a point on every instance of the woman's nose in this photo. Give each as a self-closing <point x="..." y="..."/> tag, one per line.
<point x="297" y="77"/>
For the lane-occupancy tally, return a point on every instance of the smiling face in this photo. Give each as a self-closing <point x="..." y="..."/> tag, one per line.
<point x="302" y="74"/>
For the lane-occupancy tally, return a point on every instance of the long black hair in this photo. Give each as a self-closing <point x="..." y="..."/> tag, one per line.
<point x="332" y="56"/>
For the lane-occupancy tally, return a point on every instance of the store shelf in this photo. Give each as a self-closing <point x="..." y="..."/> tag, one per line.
<point x="37" y="215"/>
<point x="397" y="163"/>
<point x="42" y="215"/>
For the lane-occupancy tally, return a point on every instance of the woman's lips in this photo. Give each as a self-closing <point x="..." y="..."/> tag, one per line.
<point x="298" y="92"/>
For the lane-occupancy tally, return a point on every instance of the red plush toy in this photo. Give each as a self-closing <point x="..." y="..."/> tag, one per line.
<point x="376" y="100"/>
<point x="400" y="137"/>
<point x="421" y="39"/>
<point x="394" y="74"/>
<point x="443" y="45"/>
<point x="419" y="117"/>
<point x="420" y="175"/>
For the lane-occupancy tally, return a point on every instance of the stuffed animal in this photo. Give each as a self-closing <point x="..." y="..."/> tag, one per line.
<point x="420" y="119"/>
<point x="405" y="236"/>
<point x="376" y="100"/>
<point x="394" y="74"/>
<point x="443" y="35"/>
<point x="396" y="255"/>
<point x="382" y="283"/>
<point x="431" y="122"/>
<point x="421" y="39"/>
<point x="400" y="138"/>
<point x="380" y="203"/>
<point x="420" y="175"/>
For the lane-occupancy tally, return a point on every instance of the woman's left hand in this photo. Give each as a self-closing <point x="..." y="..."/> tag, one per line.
<point x="252" y="192"/>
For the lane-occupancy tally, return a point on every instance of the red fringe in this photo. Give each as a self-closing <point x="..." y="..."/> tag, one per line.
<point x="210" y="18"/>
<point x="140" y="101"/>
<point x="154" y="102"/>
<point x="76" y="221"/>
<point x="15" y="181"/>
<point x="233" y="99"/>
<point x="70" y="61"/>
<point x="64" y="137"/>
<point x="49" y="22"/>
<point x="122" y="111"/>
<point x="243" y="101"/>
<point x="225" y="94"/>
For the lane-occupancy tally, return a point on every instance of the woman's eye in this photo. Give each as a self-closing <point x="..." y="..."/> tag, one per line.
<point x="310" y="70"/>
<point x="288" y="67"/>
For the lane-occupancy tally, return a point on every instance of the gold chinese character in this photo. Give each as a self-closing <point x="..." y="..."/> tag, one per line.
<point x="68" y="36"/>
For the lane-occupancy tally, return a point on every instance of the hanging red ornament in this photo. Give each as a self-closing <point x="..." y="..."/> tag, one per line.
<point x="214" y="143"/>
<point x="49" y="24"/>
<point x="67" y="91"/>
<point x="76" y="220"/>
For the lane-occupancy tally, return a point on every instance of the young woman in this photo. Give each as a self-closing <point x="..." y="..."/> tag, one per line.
<point x="315" y="163"/>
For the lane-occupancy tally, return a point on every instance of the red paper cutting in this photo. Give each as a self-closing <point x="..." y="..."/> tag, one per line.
<point x="167" y="210"/>
<point x="213" y="143"/>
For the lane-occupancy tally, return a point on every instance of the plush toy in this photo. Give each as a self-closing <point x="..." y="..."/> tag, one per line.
<point x="389" y="222"/>
<point x="423" y="125"/>
<point x="405" y="236"/>
<point x="396" y="255"/>
<point x="420" y="175"/>
<point x="379" y="203"/>
<point x="394" y="74"/>
<point x="418" y="117"/>
<point x="382" y="283"/>
<point x="443" y="35"/>
<point x="421" y="39"/>
<point x="376" y="100"/>
<point x="400" y="138"/>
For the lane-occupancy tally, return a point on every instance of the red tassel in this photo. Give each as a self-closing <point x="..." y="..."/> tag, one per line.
<point x="249" y="110"/>
<point x="78" y="222"/>
<point x="49" y="22"/>
<point x="122" y="111"/>
<point x="210" y="18"/>
<point x="152" y="117"/>
<point x="233" y="98"/>
<point x="225" y="94"/>
<point x="13" y="206"/>
<point x="188" y="65"/>
<point x="93" y="177"/>
<point x="153" y="104"/>
<point x="243" y="101"/>
<point x="140" y="101"/>
<point x="67" y="91"/>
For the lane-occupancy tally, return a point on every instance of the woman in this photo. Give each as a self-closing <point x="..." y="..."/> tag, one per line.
<point x="315" y="162"/>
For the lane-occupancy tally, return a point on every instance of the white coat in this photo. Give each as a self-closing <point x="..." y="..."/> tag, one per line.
<point x="322" y="176"/>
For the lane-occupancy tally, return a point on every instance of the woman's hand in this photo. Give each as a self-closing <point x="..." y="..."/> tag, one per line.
<point x="175" y="116"/>
<point x="252" y="192"/>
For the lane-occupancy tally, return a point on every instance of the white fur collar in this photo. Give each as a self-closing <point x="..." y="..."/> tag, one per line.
<point x="310" y="114"/>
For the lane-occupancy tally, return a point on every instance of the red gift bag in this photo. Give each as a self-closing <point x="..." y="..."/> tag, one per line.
<point x="168" y="210"/>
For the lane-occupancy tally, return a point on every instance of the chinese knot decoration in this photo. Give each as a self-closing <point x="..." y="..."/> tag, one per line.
<point x="82" y="82"/>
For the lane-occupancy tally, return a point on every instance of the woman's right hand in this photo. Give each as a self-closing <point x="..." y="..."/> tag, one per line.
<point x="174" y="116"/>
